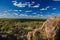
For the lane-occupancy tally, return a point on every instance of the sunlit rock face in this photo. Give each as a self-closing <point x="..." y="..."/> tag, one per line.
<point x="50" y="29"/>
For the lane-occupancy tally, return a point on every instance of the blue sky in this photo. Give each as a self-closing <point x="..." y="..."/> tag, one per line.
<point x="29" y="8"/>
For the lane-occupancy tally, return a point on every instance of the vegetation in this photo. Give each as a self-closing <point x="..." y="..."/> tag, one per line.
<point x="19" y="27"/>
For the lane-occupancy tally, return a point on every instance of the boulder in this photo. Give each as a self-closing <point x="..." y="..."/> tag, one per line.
<point x="50" y="29"/>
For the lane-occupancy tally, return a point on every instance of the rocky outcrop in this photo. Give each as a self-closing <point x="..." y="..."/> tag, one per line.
<point x="50" y="29"/>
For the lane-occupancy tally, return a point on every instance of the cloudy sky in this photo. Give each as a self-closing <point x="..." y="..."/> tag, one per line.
<point x="29" y="8"/>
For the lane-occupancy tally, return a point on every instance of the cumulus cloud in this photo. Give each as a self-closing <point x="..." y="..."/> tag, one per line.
<point x="4" y="15"/>
<point x="34" y="13"/>
<point x="23" y="15"/>
<point x="31" y="16"/>
<point x="16" y="14"/>
<point x="10" y="10"/>
<point x="28" y="11"/>
<point x="20" y="10"/>
<point x="9" y="14"/>
<point x="33" y="2"/>
<point x="54" y="8"/>
<point x="45" y="8"/>
<point x="5" y="11"/>
<point x="36" y="6"/>
<point x="15" y="10"/>
<point x="19" y="4"/>
<point x="48" y="15"/>
<point x="56" y="0"/>
<point x="28" y="4"/>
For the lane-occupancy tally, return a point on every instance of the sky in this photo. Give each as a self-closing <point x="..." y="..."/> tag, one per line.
<point x="29" y="8"/>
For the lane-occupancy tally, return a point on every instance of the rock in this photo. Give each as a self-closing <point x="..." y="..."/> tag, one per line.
<point x="50" y="29"/>
<point x="29" y="36"/>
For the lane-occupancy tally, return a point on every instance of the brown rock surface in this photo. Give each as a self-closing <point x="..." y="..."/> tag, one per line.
<point x="50" y="29"/>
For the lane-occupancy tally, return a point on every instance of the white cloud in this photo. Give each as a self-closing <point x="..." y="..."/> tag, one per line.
<point x="8" y="14"/>
<point x="6" y="11"/>
<point x="53" y="13"/>
<point x="33" y="2"/>
<point x="25" y="4"/>
<point x="20" y="10"/>
<point x="34" y="13"/>
<point x="28" y="11"/>
<point x="16" y="14"/>
<point x="10" y="10"/>
<point x="45" y="8"/>
<point x="41" y="15"/>
<point x="54" y="8"/>
<point x="4" y="15"/>
<point x="23" y="15"/>
<point x="20" y="4"/>
<point x="15" y="10"/>
<point x="48" y="15"/>
<point x="30" y="4"/>
<point x="14" y="1"/>
<point x="56" y="0"/>
<point x="31" y="16"/>
<point x="36" y="6"/>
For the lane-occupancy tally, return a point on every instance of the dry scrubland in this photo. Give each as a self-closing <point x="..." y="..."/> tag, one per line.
<point x="17" y="29"/>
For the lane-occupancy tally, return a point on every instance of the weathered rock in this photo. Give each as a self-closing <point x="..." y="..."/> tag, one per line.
<point x="51" y="29"/>
<point x="29" y="36"/>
